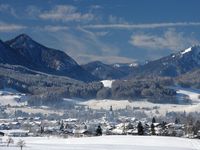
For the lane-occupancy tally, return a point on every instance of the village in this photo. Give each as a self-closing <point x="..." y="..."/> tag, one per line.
<point x="107" y="125"/>
<point x="82" y="121"/>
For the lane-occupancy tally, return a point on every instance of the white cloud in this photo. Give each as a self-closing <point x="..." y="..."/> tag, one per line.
<point x="169" y="40"/>
<point x="5" y="27"/>
<point x="96" y="7"/>
<point x="116" y="20"/>
<point x="105" y="48"/>
<point x="83" y="46"/>
<point x="93" y="35"/>
<point x="102" y="33"/>
<point x="33" y="11"/>
<point x="140" y="26"/>
<point x="66" y="13"/>
<point x="5" y="8"/>
<point x="55" y="28"/>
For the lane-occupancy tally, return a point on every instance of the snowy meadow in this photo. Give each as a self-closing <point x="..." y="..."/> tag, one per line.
<point x="107" y="143"/>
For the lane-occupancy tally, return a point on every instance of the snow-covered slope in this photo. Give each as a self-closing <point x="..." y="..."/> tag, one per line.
<point x="172" y="65"/>
<point x="186" y="50"/>
<point x="109" y="143"/>
<point x="107" y="83"/>
<point x="192" y="94"/>
<point x="11" y="97"/>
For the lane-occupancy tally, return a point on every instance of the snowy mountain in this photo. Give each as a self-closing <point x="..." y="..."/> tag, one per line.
<point x="172" y="65"/>
<point x="119" y="65"/>
<point x="127" y="68"/>
<point x="104" y="71"/>
<point x="24" y="51"/>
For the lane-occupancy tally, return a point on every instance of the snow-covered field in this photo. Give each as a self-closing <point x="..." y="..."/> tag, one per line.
<point x="193" y="94"/>
<point x="151" y="108"/>
<point x="14" y="98"/>
<point x="35" y="110"/>
<point x="108" y="143"/>
<point x="11" y="97"/>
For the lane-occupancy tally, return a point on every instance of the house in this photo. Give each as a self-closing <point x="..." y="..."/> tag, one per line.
<point x="4" y="126"/>
<point x="15" y="125"/>
<point x="15" y="133"/>
<point x="80" y="132"/>
<point x="2" y="134"/>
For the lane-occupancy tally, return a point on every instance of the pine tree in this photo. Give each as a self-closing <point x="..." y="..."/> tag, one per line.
<point x="153" y="120"/>
<point x="99" y="131"/>
<point x="196" y="127"/>
<point x="140" y="129"/>
<point x="62" y="125"/>
<point x="111" y="109"/>
<point x="177" y="121"/>
<point x="41" y="129"/>
<point x="153" y="129"/>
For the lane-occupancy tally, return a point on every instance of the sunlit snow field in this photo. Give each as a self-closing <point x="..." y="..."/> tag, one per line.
<point x="192" y="94"/>
<point x="109" y="143"/>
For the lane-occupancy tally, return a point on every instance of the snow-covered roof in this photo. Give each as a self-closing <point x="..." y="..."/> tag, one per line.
<point x="14" y="131"/>
<point x="70" y="120"/>
<point x="117" y="131"/>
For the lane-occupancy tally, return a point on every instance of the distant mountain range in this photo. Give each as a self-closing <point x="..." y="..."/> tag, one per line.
<point x="172" y="65"/>
<point x="105" y="71"/>
<point x="50" y="75"/>
<point x="24" y="51"/>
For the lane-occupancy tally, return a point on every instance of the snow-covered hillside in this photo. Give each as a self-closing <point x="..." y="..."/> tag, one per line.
<point x="192" y="94"/>
<point x="11" y="97"/>
<point x="109" y="143"/>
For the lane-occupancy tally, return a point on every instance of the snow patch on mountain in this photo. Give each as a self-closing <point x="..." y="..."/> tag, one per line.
<point x="117" y="65"/>
<point x="107" y="83"/>
<point x="133" y="65"/>
<point x="186" y="50"/>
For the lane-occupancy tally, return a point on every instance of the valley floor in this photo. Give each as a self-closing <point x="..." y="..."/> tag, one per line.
<point x="152" y="109"/>
<point x="108" y="143"/>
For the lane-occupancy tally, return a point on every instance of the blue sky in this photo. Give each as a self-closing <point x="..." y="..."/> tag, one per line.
<point x="106" y="30"/>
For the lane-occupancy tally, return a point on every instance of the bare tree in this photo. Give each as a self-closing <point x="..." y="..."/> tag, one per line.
<point x="21" y="143"/>
<point x="9" y="141"/>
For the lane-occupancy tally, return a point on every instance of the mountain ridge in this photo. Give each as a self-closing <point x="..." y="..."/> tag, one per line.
<point x="34" y="55"/>
<point x="172" y="65"/>
<point x="103" y="71"/>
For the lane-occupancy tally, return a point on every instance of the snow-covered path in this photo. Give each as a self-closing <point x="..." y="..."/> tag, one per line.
<point x="109" y="143"/>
